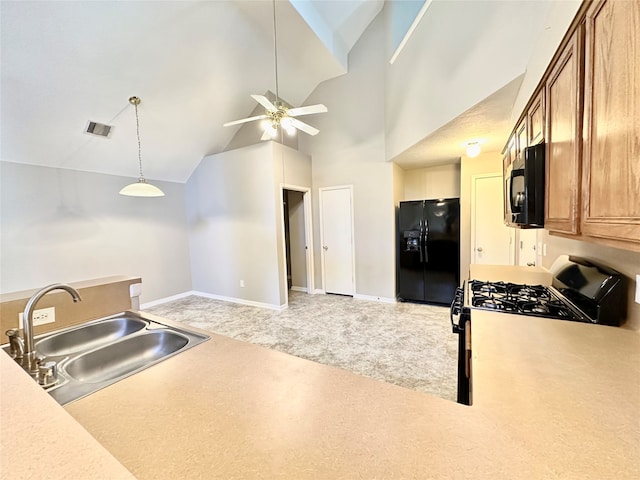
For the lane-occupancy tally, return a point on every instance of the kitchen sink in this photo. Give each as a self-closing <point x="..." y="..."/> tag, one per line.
<point x="122" y="358"/>
<point x="97" y="354"/>
<point x="89" y="336"/>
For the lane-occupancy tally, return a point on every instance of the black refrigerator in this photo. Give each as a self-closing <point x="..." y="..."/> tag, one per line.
<point x="428" y="257"/>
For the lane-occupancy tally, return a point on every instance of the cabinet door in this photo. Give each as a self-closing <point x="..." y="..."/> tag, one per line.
<point x="611" y="160"/>
<point x="535" y="120"/>
<point x="563" y="92"/>
<point x="521" y="135"/>
<point x="509" y="153"/>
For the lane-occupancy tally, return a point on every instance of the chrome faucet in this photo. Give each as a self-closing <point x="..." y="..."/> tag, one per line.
<point x="25" y="350"/>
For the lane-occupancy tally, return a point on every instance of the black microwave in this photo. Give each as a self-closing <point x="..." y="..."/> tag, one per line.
<point x="524" y="189"/>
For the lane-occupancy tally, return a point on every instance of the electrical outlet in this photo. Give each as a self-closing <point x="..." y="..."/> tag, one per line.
<point x="242" y="283"/>
<point x="41" y="316"/>
<point x="637" y="288"/>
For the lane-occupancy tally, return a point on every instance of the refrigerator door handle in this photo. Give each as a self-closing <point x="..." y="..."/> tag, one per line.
<point x="420" y="244"/>
<point x="426" y="240"/>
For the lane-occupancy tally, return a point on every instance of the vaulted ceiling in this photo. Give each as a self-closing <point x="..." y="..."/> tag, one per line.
<point x="193" y="64"/>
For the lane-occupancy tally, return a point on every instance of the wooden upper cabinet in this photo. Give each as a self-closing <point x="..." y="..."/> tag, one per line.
<point x="611" y="156"/>
<point x="563" y="92"/>
<point x="509" y="153"/>
<point x="521" y="136"/>
<point x="535" y="120"/>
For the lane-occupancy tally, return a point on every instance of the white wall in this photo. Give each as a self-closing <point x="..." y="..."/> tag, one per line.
<point x="234" y="215"/>
<point x="456" y="57"/>
<point x="442" y="181"/>
<point x="350" y="151"/>
<point x="66" y="226"/>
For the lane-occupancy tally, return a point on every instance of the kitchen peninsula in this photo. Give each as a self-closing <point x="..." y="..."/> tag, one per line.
<point x="551" y="400"/>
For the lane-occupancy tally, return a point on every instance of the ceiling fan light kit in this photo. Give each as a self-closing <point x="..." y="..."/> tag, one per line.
<point x="276" y="114"/>
<point x="140" y="188"/>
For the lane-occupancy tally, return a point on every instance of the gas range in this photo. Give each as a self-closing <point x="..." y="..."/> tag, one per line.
<point x="581" y="291"/>
<point x="534" y="300"/>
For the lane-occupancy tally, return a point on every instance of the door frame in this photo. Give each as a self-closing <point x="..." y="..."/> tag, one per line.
<point x="308" y="236"/>
<point x="472" y="242"/>
<point x="353" y="238"/>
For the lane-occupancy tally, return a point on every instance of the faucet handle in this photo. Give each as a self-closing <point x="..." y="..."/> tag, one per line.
<point x="47" y="373"/>
<point x="16" y="345"/>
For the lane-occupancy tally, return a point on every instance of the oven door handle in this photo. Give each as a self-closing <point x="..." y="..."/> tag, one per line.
<point x="456" y="310"/>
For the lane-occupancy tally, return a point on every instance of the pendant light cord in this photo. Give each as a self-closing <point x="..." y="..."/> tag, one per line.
<point x="138" y="136"/>
<point x="275" y="49"/>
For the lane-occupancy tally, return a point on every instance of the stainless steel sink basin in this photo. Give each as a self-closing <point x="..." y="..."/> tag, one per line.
<point x="122" y="358"/>
<point x="97" y="354"/>
<point x="89" y="336"/>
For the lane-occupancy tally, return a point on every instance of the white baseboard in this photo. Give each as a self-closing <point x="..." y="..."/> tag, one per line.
<point x="160" y="301"/>
<point x="319" y="291"/>
<point x="299" y="289"/>
<point x="241" y="301"/>
<point x="373" y="298"/>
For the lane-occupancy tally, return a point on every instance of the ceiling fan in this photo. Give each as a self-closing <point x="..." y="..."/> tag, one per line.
<point x="276" y="113"/>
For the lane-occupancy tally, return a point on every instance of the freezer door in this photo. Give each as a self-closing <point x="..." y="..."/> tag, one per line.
<point x="410" y="260"/>
<point x="442" y="249"/>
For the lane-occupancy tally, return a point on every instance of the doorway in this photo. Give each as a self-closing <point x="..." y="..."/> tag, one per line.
<point x="492" y="242"/>
<point x="296" y="221"/>
<point x="337" y="240"/>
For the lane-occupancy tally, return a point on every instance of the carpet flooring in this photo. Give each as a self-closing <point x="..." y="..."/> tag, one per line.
<point x="405" y="344"/>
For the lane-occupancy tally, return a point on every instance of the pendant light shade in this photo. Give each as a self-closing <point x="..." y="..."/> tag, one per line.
<point x="140" y="188"/>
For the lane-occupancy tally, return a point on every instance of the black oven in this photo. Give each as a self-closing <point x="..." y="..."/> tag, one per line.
<point x="524" y="189"/>
<point x="463" y="329"/>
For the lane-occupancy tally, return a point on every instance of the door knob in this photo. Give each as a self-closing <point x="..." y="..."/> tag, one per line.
<point x="479" y="249"/>
<point x="325" y="248"/>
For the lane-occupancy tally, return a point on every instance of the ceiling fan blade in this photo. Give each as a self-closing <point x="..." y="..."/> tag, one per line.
<point x="265" y="102"/>
<point x="306" y="128"/>
<point x="319" y="108"/>
<point x="244" y="120"/>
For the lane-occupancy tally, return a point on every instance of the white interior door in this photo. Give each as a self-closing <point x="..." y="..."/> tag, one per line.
<point x="492" y="242"/>
<point x="336" y="231"/>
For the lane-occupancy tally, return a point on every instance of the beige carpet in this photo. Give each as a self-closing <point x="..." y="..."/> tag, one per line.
<point x="404" y="344"/>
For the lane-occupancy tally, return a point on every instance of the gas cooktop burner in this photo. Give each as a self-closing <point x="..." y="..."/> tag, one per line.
<point x="536" y="300"/>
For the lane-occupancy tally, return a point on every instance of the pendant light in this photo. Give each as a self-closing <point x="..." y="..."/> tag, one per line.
<point x="141" y="188"/>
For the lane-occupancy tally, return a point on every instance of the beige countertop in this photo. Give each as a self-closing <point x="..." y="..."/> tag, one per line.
<point x="39" y="440"/>
<point x="552" y="399"/>
<point x="510" y="273"/>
